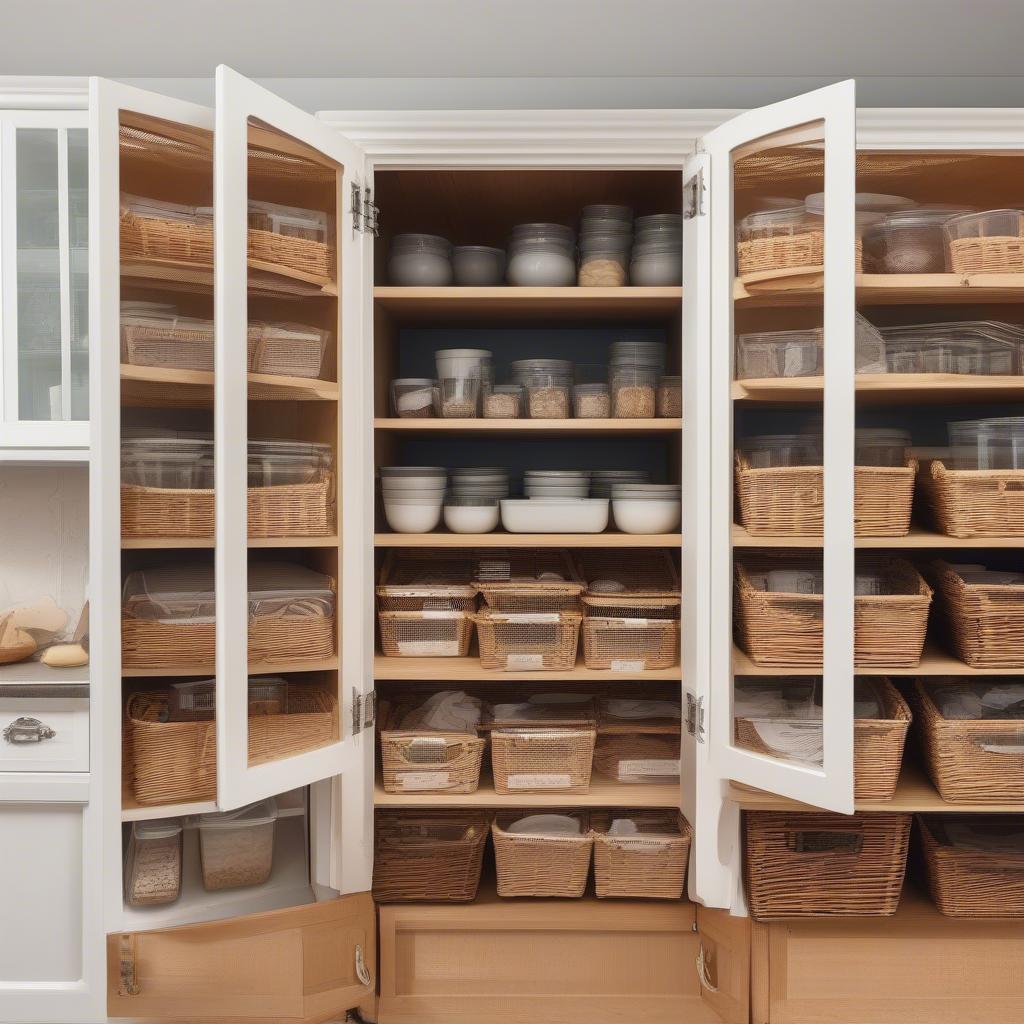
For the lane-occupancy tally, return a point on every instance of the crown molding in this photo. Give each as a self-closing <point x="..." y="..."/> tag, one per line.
<point x="40" y="92"/>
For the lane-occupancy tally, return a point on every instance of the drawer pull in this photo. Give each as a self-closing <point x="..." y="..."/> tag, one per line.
<point x="361" y="972"/>
<point x="702" y="970"/>
<point x="128" y="982"/>
<point x="28" y="730"/>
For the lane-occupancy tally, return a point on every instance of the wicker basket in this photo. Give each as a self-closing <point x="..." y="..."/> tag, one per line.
<point x="804" y="249"/>
<point x="640" y="758"/>
<point x="786" y="629"/>
<point x="176" y="762"/>
<point x="418" y="761"/>
<point x="524" y="580"/>
<point x="968" y="882"/>
<point x="416" y="581"/>
<point x="542" y="760"/>
<point x="970" y="760"/>
<point x="541" y="865"/>
<point x="985" y="623"/>
<point x="631" y="643"/>
<point x="650" y="864"/>
<point x="315" y="259"/>
<point x="800" y="865"/>
<point x="643" y="572"/>
<point x="974" y="502"/>
<point x="511" y="641"/>
<point x="994" y="254"/>
<point x="789" y="500"/>
<point x="282" y="350"/>
<point x="877" y="742"/>
<point x="425" y="634"/>
<point x="430" y="857"/>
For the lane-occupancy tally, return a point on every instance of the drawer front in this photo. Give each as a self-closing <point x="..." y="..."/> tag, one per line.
<point x="39" y="734"/>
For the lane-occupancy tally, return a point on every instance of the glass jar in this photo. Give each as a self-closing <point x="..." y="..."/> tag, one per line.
<point x="414" y="398"/>
<point x="592" y="401"/>
<point x="633" y="391"/>
<point x="505" y="402"/>
<point x="604" y="267"/>
<point x="670" y="397"/>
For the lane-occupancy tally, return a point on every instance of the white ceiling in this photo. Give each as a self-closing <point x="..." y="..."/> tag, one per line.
<point x="513" y="38"/>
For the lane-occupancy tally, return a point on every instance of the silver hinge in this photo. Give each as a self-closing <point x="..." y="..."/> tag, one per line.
<point x="365" y="216"/>
<point x="695" y="717"/>
<point x="693" y="197"/>
<point x="364" y="710"/>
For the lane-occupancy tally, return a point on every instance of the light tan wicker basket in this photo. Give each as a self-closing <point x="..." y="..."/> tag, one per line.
<point x="283" y="350"/>
<point x="629" y="643"/>
<point x="175" y="762"/>
<point x="428" y="856"/>
<point x="427" y="580"/>
<point x="643" y="758"/>
<point x="316" y="259"/>
<point x="786" y="629"/>
<point x="542" y="760"/>
<point x="514" y="641"/>
<point x="418" y="761"/>
<point x="541" y="865"/>
<point x="975" y="761"/>
<point x="650" y="864"/>
<point x="992" y="254"/>
<point x="974" y="502"/>
<point x="787" y="252"/>
<point x="984" y="623"/>
<point x="425" y="634"/>
<point x="877" y="742"/>
<point x="789" y="500"/>
<point x="973" y="883"/>
<point x="800" y="865"/>
<point x="525" y="580"/>
<point x="642" y="572"/>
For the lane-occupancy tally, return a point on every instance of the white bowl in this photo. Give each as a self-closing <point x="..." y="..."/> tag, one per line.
<point x="554" y="515"/>
<point x="413" y="516"/>
<point x="646" y="515"/>
<point x="471" y="518"/>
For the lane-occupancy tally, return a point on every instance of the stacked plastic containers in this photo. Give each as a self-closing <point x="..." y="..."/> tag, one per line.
<point x="983" y="347"/>
<point x="472" y="502"/>
<point x="634" y="371"/>
<point x="423" y="261"/>
<point x="993" y="443"/>
<point x="910" y="241"/>
<point x="413" y="497"/>
<point x="606" y="238"/>
<point x="657" y="257"/>
<point x="464" y="377"/>
<point x="548" y="385"/>
<point x="542" y="255"/>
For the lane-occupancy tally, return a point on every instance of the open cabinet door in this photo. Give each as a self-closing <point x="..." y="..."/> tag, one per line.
<point x="289" y="251"/>
<point x="723" y="963"/>
<point x="796" y="147"/>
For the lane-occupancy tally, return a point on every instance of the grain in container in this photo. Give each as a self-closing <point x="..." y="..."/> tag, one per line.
<point x="592" y="401"/>
<point x="670" y="397"/>
<point x="421" y="261"/>
<point x="605" y="239"/>
<point x="548" y="384"/>
<point x="505" y="402"/>
<point x="236" y="848"/>
<point x="465" y="377"/>
<point x="478" y="266"/>
<point x="152" y="868"/>
<point x="415" y="398"/>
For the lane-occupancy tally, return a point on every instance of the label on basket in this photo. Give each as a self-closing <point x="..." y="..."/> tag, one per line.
<point x="628" y="665"/>
<point x="440" y="613"/>
<point x="526" y="616"/>
<point x="649" y="766"/>
<point x="633" y="622"/>
<point x="546" y="780"/>
<point x="428" y="648"/>
<point x="515" y="662"/>
<point x="1002" y="748"/>
<point x="413" y="781"/>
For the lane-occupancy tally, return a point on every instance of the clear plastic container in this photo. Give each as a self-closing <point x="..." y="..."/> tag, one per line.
<point x="604" y="267"/>
<point x="771" y="451"/>
<point x="967" y="347"/>
<point x="995" y="443"/>
<point x="779" y="354"/>
<point x="881" y="447"/>
<point x="656" y="268"/>
<point x="415" y="398"/>
<point x="909" y="241"/>
<point x="638" y="353"/>
<point x="417" y="260"/>
<point x="608" y="211"/>
<point x="592" y="401"/>
<point x="777" y="223"/>
<point x="670" y="397"/>
<point x="478" y="266"/>
<point x="505" y="402"/>
<point x="236" y="848"/>
<point x="287" y="349"/>
<point x="634" y="391"/>
<point x="460" y="397"/>
<point x="987" y="224"/>
<point x="541" y="264"/>
<point x="196" y="701"/>
<point x="287" y="463"/>
<point x="152" y="868"/>
<point x="292" y="221"/>
<point x="548" y="391"/>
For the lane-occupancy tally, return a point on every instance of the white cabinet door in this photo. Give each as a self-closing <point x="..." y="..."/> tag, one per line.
<point x="268" y="151"/>
<point x="753" y="158"/>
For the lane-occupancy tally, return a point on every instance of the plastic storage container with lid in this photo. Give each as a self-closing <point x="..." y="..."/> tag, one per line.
<point x="670" y="397"/>
<point x="152" y="869"/>
<point x="779" y="354"/>
<point x="592" y="401"/>
<point x="988" y="242"/>
<point x="880" y="446"/>
<point x="541" y="256"/>
<point x="993" y="443"/>
<point x="415" y="398"/>
<point x="236" y="848"/>
<point x="417" y="260"/>
<point x="771" y="451"/>
<point x="505" y="402"/>
<point x="196" y="701"/>
<point x="909" y="241"/>
<point x="548" y="384"/>
<point x="983" y="347"/>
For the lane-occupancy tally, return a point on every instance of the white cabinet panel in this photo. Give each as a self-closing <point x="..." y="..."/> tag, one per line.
<point x="44" y="735"/>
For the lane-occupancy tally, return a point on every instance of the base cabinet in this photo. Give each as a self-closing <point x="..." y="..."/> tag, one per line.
<point x="561" y="962"/>
<point x="915" y="968"/>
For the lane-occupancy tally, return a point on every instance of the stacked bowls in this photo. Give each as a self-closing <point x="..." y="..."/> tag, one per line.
<point x="542" y="256"/>
<point x="472" y="503"/>
<point x="413" y="497"/>
<point x="603" y="480"/>
<point x="606" y="237"/>
<point x="423" y="261"/>
<point x="556" y="483"/>
<point x="657" y="258"/>
<point x="646" y="508"/>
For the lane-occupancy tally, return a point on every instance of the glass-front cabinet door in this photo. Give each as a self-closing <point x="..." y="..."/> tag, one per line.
<point x="44" y="370"/>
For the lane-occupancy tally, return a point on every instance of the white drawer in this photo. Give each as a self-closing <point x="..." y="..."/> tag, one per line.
<point x="43" y="733"/>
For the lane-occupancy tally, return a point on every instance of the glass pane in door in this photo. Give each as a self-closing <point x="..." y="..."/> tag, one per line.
<point x="78" y="234"/>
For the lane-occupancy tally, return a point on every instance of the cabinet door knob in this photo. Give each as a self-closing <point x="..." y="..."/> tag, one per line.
<point x="28" y="730"/>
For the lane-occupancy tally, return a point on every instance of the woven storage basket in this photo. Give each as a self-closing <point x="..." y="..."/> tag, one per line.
<point x="186" y="346"/>
<point x="640" y="758"/>
<point x="789" y="500"/>
<point x="287" y="510"/>
<point x="630" y="643"/>
<point x="992" y="254"/>
<point x="282" y="352"/>
<point x="513" y="641"/>
<point x="419" y="761"/>
<point x="787" y="252"/>
<point x="877" y="742"/>
<point x="430" y="857"/>
<point x="426" y="634"/>
<point x="175" y="762"/>
<point x="541" y="865"/>
<point x="426" y="580"/>
<point x="527" y="580"/>
<point x="175" y="241"/>
<point x="985" y="623"/>
<point x="641" y="572"/>
<point x="786" y="629"/>
<point x="542" y="760"/>
<point x="970" y="760"/>
<point x="968" y="882"/>
<point x="302" y="254"/>
<point x="800" y="865"/>
<point x="648" y="865"/>
<point x="974" y="502"/>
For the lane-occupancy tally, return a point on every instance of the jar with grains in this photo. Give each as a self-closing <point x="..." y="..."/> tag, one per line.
<point x="460" y="397"/>
<point x="505" y="402"/>
<point x="237" y="847"/>
<point x="548" y="400"/>
<point x="670" y="397"/>
<point x="603" y="269"/>
<point x="592" y="401"/>
<point x="633" y="392"/>
<point x="152" y="872"/>
<point x="414" y="398"/>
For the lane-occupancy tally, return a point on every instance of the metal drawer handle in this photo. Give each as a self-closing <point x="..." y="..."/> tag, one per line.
<point x="361" y="972"/>
<point x="702" y="970"/>
<point x="128" y="981"/>
<point x="28" y="730"/>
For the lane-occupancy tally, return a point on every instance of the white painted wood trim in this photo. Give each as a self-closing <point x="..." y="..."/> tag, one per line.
<point x="43" y="92"/>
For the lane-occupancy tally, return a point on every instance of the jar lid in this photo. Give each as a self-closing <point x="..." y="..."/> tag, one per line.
<point x="864" y="202"/>
<point x="157" y="828"/>
<point x="263" y="812"/>
<point x="413" y="382"/>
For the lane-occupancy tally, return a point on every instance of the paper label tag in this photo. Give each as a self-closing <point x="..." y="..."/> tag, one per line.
<point x="539" y="781"/>
<point x="440" y="613"/>
<point x="428" y="648"/>
<point x="530" y="662"/>
<point x="1002" y="748"/>
<point x="634" y="622"/>
<point x="413" y="781"/>
<point x="626" y="665"/>
<point x="526" y="617"/>
<point x="649" y="766"/>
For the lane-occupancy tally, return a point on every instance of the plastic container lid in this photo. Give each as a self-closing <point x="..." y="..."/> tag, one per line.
<point x="987" y="223"/>
<point x="157" y="828"/>
<point x="865" y="202"/>
<point x="263" y="812"/>
<point x="414" y="242"/>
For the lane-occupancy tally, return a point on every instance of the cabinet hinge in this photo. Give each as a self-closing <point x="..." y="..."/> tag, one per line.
<point x="365" y="216"/>
<point x="693" y="196"/>
<point x="695" y="717"/>
<point x="364" y="710"/>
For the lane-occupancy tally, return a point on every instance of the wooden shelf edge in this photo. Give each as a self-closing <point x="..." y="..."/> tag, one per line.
<point x="501" y="539"/>
<point x="276" y="387"/>
<point x="468" y="668"/>
<point x="918" y="537"/>
<point x="258" y="668"/>
<point x="177" y="543"/>
<point x="529" y="426"/>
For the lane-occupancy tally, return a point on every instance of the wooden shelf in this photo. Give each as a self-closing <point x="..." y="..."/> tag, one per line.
<point x="156" y="386"/>
<point x="33" y="672"/>
<point x="919" y="537"/>
<point x="264" y="278"/>
<point x="914" y="793"/>
<point x="507" y="303"/>
<point x="256" y="668"/>
<point x="500" y="539"/>
<point x="463" y="669"/>
<point x="603" y="793"/>
<point x="174" y="543"/>
<point x="934" y="662"/>
<point x="883" y="388"/>
<point x="534" y="428"/>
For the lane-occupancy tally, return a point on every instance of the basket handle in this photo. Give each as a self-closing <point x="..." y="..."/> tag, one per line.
<point x="826" y="841"/>
<point x="1010" y="485"/>
<point x="432" y="743"/>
